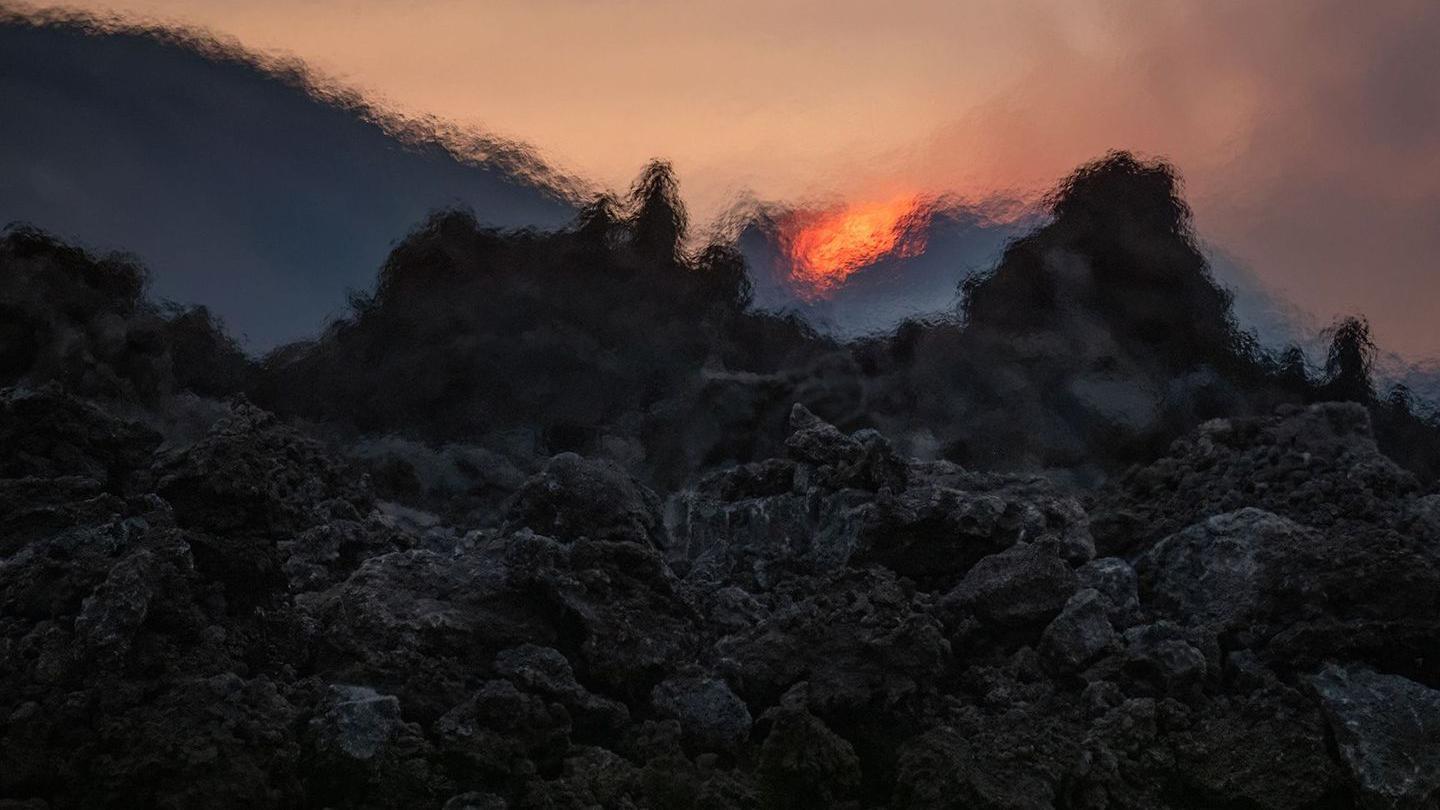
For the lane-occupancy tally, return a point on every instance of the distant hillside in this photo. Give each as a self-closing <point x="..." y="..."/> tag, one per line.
<point x="242" y="184"/>
<point x="1097" y="340"/>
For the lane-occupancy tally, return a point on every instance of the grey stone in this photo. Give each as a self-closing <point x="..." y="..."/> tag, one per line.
<point x="1387" y="729"/>
<point x="710" y="714"/>
<point x="357" y="721"/>
<point x="1116" y="580"/>
<point x="1211" y="573"/>
<point x="1081" y="632"/>
<point x="1020" y="585"/>
<point x="818" y="442"/>
<point x="1162" y="651"/>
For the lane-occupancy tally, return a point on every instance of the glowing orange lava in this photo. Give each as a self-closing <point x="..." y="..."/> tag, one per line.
<point x="825" y="247"/>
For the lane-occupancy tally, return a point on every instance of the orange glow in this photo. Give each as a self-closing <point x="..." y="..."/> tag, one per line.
<point x="826" y="247"/>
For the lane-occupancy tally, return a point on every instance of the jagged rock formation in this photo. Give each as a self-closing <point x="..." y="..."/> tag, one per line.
<point x="480" y="354"/>
<point x="234" y="619"/>
<point x="559" y="535"/>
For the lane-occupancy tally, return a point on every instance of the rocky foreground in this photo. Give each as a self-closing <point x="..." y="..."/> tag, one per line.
<point x="1253" y="621"/>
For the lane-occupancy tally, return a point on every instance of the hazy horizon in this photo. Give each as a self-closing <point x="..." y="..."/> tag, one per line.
<point x="1318" y="175"/>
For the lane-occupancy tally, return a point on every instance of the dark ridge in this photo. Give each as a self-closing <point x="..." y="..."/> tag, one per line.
<point x="1097" y="341"/>
<point x="598" y="334"/>
<point x="555" y="519"/>
<point x="1111" y="311"/>
<point x="70" y="317"/>
<point x="1110" y="274"/>
<point x="244" y="182"/>
<point x="511" y="157"/>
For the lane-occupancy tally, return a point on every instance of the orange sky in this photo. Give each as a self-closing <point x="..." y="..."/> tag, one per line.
<point x="1308" y="131"/>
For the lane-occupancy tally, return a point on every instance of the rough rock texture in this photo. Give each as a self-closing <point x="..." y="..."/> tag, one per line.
<point x="709" y="713"/>
<point x="235" y="620"/>
<point x="1081" y="631"/>
<point x="1021" y="585"/>
<point x="1388" y="731"/>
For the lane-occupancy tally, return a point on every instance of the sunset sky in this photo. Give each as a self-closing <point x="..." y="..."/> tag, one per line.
<point x="1308" y="132"/>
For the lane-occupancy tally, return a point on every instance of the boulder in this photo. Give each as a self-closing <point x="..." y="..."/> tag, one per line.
<point x="575" y="497"/>
<point x="1025" y="584"/>
<point x="712" y="717"/>
<point x="1387" y="730"/>
<point x="815" y="441"/>
<point x="1081" y="632"/>
<point x="356" y="722"/>
<point x="545" y="671"/>
<point x="1116" y="580"/>
<point x="1166" y="654"/>
<point x="1212" y="573"/>
<point x="860" y="640"/>
<point x="500" y="733"/>
<point x="804" y="764"/>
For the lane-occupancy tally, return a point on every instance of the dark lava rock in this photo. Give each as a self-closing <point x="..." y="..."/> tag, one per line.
<point x="252" y="474"/>
<point x="1165" y="653"/>
<point x="802" y="762"/>
<point x="818" y="442"/>
<point x="45" y="433"/>
<point x="1387" y="729"/>
<point x="1116" y="580"/>
<point x="1212" y="573"/>
<point x="860" y="640"/>
<point x="575" y="497"/>
<point x="1081" y="632"/>
<point x="711" y="715"/>
<point x="1021" y="585"/>
<point x="1317" y="466"/>
<point x="228" y="618"/>
<point x="934" y="532"/>
<point x="547" y="672"/>
<point x="357" y="722"/>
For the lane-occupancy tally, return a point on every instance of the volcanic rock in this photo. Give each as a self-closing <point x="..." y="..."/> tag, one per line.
<point x="1387" y="729"/>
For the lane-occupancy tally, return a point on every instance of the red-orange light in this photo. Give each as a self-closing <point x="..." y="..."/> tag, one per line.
<point x="825" y="247"/>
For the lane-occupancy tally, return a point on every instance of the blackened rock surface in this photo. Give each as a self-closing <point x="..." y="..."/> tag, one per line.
<point x="254" y="474"/>
<point x="819" y="512"/>
<point x="502" y="733"/>
<point x="710" y="713"/>
<point x="946" y="768"/>
<point x="1081" y="632"/>
<point x="942" y="524"/>
<point x="1213" y="573"/>
<point x="47" y="433"/>
<point x="545" y="671"/>
<point x="858" y="640"/>
<point x="1317" y="466"/>
<point x="1021" y="585"/>
<point x="574" y="497"/>
<point x="1388" y="731"/>
<point x="818" y="442"/>
<point x="1116" y="580"/>
<point x="1166" y="655"/>
<point x="230" y="619"/>
<point x="802" y="762"/>
<point x="1301" y="595"/>
<point x="1217" y="758"/>
<point x="357" y="722"/>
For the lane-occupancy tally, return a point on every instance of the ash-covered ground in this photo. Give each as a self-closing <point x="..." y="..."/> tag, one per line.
<point x="556" y="520"/>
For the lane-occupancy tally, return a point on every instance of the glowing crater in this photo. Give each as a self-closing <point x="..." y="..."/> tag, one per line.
<point x="825" y="247"/>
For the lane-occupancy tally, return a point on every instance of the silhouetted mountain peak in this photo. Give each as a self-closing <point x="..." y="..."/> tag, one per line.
<point x="1117" y="267"/>
<point x="248" y="183"/>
